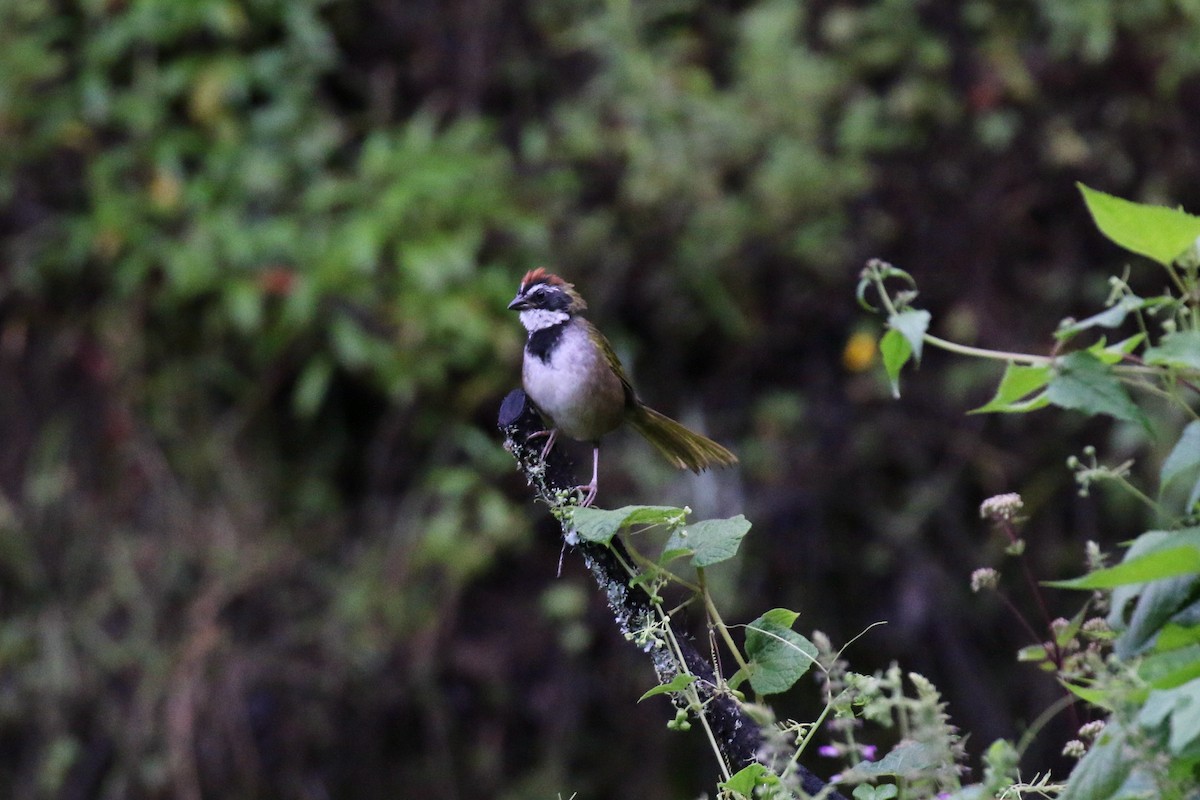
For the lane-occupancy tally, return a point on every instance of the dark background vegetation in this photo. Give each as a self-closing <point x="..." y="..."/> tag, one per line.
<point x="257" y="534"/>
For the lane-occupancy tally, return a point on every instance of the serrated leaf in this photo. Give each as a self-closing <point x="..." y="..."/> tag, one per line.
<point x="777" y="655"/>
<point x="895" y="352"/>
<point x="600" y="525"/>
<point x="710" y="541"/>
<point x="1157" y="232"/>
<point x="1101" y="772"/>
<point x="681" y="681"/>
<point x="912" y="324"/>
<point x="1182" y="466"/>
<point x="1083" y="383"/>
<point x="1180" y="349"/>
<point x="1016" y="385"/>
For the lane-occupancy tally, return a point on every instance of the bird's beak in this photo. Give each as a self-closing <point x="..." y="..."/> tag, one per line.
<point x="518" y="303"/>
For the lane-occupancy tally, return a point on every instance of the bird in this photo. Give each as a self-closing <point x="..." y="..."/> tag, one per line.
<point x="576" y="382"/>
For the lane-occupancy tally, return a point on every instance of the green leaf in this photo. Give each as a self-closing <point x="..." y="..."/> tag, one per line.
<point x="1016" y="386"/>
<point x="681" y="681"/>
<point x="896" y="351"/>
<point x="1104" y="769"/>
<point x="1111" y="317"/>
<point x="710" y="541"/>
<point x="1156" y="232"/>
<point x="1166" y="670"/>
<point x="1115" y="353"/>
<point x="600" y="525"/>
<point x="1180" y="349"/>
<point x="1083" y="383"/>
<point x="1175" y="636"/>
<point x="1096" y="697"/>
<point x="311" y="387"/>
<point x="744" y="780"/>
<point x="867" y="792"/>
<point x="778" y="656"/>
<point x="1183" y="465"/>
<point x="912" y="324"/>
<point x="1032" y="653"/>
<point x="903" y="760"/>
<point x="1182" y="706"/>
<point x="1154" y="566"/>
<point x="1139" y="610"/>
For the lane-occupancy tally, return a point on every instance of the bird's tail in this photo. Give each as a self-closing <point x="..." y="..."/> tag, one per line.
<point x="684" y="448"/>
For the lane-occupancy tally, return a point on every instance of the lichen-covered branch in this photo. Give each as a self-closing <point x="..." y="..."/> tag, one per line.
<point x="740" y="739"/>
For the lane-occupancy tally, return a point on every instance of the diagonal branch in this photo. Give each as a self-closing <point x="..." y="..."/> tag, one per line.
<point x="739" y="737"/>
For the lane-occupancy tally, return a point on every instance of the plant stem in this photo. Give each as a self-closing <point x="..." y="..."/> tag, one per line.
<point x="979" y="352"/>
<point x="715" y="616"/>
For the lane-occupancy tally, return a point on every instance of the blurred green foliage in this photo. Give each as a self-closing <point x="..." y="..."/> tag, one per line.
<point x="254" y="258"/>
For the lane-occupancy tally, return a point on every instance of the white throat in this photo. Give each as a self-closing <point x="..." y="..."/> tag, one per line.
<point x="536" y="319"/>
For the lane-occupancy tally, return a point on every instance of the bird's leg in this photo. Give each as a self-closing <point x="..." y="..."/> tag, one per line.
<point x="595" y="484"/>
<point x="552" y="433"/>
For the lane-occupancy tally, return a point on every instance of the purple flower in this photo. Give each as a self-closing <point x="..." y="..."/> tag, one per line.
<point x="828" y="750"/>
<point x="868" y="752"/>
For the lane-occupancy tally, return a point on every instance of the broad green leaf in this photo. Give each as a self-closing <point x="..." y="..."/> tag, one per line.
<point x="1104" y="769"/>
<point x="1157" y="603"/>
<point x="1139" y="610"/>
<point x="1180" y="349"/>
<point x="912" y="323"/>
<point x="1182" y="466"/>
<point x="1182" y="705"/>
<point x="896" y="351"/>
<point x="865" y="791"/>
<point x="1016" y="386"/>
<point x="903" y="760"/>
<point x="1156" y="232"/>
<point x="744" y="780"/>
<point x="601" y="524"/>
<point x="1175" y="636"/>
<point x="711" y="541"/>
<point x="778" y="656"/>
<point x="680" y="682"/>
<point x="1083" y="383"/>
<point x="1166" y="670"/>
<point x="1169" y="563"/>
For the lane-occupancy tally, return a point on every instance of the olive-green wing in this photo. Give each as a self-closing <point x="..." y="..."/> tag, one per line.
<point x="610" y="356"/>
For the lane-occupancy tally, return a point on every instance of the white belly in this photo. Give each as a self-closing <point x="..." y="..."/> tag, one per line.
<point x="576" y="388"/>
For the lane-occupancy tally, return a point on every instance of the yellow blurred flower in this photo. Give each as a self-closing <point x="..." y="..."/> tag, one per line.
<point x="859" y="352"/>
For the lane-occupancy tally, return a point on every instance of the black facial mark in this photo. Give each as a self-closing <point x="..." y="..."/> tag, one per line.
<point x="541" y="343"/>
<point x="552" y="299"/>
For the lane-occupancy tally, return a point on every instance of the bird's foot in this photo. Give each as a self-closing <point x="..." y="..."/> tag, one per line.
<point x="551" y="433"/>
<point x="589" y="494"/>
